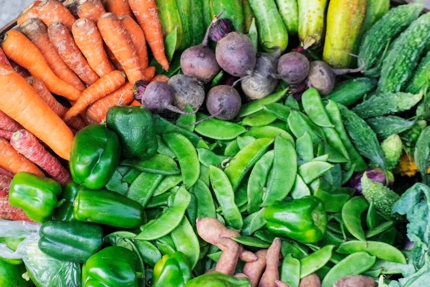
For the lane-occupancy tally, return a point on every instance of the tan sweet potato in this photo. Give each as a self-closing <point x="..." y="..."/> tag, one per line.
<point x="229" y="257"/>
<point x="271" y="274"/>
<point x="356" y="281"/>
<point x="254" y="269"/>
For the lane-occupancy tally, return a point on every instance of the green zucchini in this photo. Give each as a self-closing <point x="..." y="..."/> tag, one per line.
<point x="351" y="91"/>
<point x="421" y="77"/>
<point x="378" y="37"/>
<point x="403" y="55"/>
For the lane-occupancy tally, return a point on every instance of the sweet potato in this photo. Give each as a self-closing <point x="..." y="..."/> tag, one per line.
<point x="355" y="281"/>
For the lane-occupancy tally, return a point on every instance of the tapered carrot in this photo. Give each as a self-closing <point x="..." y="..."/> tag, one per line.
<point x="21" y="50"/>
<point x="19" y="69"/>
<point x="15" y="162"/>
<point x="137" y="37"/>
<point x="96" y="112"/>
<point x="149" y="73"/>
<point x="7" y="123"/>
<point x="62" y="40"/>
<point x="135" y="103"/>
<point x="29" y="146"/>
<point x="52" y="11"/>
<point x="119" y="42"/>
<point x="3" y="59"/>
<point x="146" y="15"/>
<point x="90" y="9"/>
<point x="103" y="87"/>
<point x="20" y="101"/>
<point x="90" y="42"/>
<point x="29" y="12"/>
<point x="37" y="32"/>
<point x="118" y="7"/>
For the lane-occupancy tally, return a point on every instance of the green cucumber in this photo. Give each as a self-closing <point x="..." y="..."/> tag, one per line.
<point x="232" y="9"/>
<point x="289" y="11"/>
<point x="170" y="19"/>
<point x="351" y="91"/>
<point x="378" y="37"/>
<point x="184" y="9"/>
<point x="403" y="55"/>
<point x="197" y="23"/>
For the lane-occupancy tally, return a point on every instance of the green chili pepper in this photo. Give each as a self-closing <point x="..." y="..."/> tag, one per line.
<point x="135" y="129"/>
<point x="112" y="266"/>
<point x="94" y="156"/>
<point x="303" y="219"/>
<point x="70" y="241"/>
<point x="35" y="195"/>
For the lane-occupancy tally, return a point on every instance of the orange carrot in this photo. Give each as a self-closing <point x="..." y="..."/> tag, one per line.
<point x="72" y="6"/>
<point x="29" y="146"/>
<point x="137" y="37"/>
<point x="52" y="11"/>
<point x="36" y="31"/>
<point x="90" y="42"/>
<point x="63" y="42"/>
<point x="106" y="85"/>
<point x="90" y="9"/>
<point x="119" y="42"/>
<point x="160" y="78"/>
<point x="15" y="162"/>
<point x="135" y="103"/>
<point x="96" y="112"/>
<point x="21" y="50"/>
<point x="7" y="123"/>
<point x="118" y="7"/>
<point x="29" y="12"/>
<point x="146" y="14"/>
<point x="3" y="59"/>
<point x="20" y="101"/>
<point x="148" y="73"/>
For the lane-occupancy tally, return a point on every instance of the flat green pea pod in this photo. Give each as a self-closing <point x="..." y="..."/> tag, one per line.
<point x="268" y="132"/>
<point x="312" y="170"/>
<point x="163" y="126"/>
<point x="300" y="189"/>
<point x="253" y="222"/>
<point x="289" y="11"/>
<point x="283" y="172"/>
<point x="186" y="155"/>
<point x="279" y="110"/>
<point x="271" y="28"/>
<point x="251" y="241"/>
<point x="260" y="118"/>
<point x="352" y="211"/>
<point x="168" y="220"/>
<point x="217" y="279"/>
<point x="290" y="271"/>
<point x="218" y="129"/>
<point x="379" y="249"/>
<point x="257" y="181"/>
<point x="314" y="108"/>
<point x="315" y="260"/>
<point x="299" y="123"/>
<point x="311" y="22"/>
<point x="186" y="241"/>
<point x="167" y="183"/>
<point x="353" y="264"/>
<point x="243" y="161"/>
<point x="205" y="203"/>
<point x="159" y="163"/>
<point x="144" y="186"/>
<point x="170" y="19"/>
<point x="257" y="105"/>
<point x="304" y="148"/>
<point x="225" y="195"/>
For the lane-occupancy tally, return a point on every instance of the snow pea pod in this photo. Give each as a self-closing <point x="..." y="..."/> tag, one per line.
<point x="299" y="124"/>
<point x="300" y="189"/>
<point x="258" y="119"/>
<point x="167" y="183"/>
<point x="162" y="126"/>
<point x="333" y="198"/>
<point x="159" y="200"/>
<point x="268" y="132"/>
<point x="243" y="141"/>
<point x="315" y="260"/>
<point x="218" y="129"/>
<point x="208" y="157"/>
<point x="225" y="195"/>
<point x="243" y="161"/>
<point x="352" y="211"/>
<point x="379" y="229"/>
<point x="379" y="249"/>
<point x="290" y="271"/>
<point x="314" y="108"/>
<point x="257" y="181"/>
<point x="283" y="172"/>
<point x="186" y="155"/>
<point x="251" y="241"/>
<point x="186" y="241"/>
<point x="257" y="105"/>
<point x="353" y="264"/>
<point x="304" y="148"/>
<point x="150" y="254"/>
<point x="312" y="170"/>
<point x="253" y="222"/>
<point x="159" y="163"/>
<point x="143" y="187"/>
<point x="279" y="110"/>
<point x="186" y="121"/>
<point x="168" y="220"/>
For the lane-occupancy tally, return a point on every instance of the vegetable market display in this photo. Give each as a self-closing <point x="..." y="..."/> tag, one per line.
<point x="215" y="143"/>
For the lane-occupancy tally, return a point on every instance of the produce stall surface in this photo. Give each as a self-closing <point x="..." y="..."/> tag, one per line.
<point x="9" y="9"/>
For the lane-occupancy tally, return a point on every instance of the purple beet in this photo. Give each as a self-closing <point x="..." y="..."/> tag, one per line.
<point x="293" y="67"/>
<point x="187" y="90"/>
<point x="223" y="102"/>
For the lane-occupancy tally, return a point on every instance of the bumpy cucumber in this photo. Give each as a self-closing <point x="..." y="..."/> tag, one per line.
<point x="289" y="11"/>
<point x="351" y="91"/>
<point x="376" y="39"/>
<point x="311" y="22"/>
<point x="375" y="9"/>
<point x="271" y="29"/>
<point x="403" y="55"/>
<point x="421" y="78"/>
<point x="344" y="20"/>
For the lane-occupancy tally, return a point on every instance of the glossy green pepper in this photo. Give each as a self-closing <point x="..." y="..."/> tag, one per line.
<point x="112" y="266"/>
<point x="70" y="241"/>
<point x="174" y="271"/>
<point x="11" y="275"/>
<point x="217" y="279"/>
<point x="94" y="156"/>
<point x="64" y="212"/>
<point x="107" y="207"/>
<point x="135" y="129"/>
<point x="35" y="195"/>
<point x="303" y="219"/>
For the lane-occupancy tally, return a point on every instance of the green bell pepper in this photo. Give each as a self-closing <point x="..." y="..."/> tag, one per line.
<point x="217" y="279"/>
<point x="112" y="266"/>
<point x="70" y="241"/>
<point x="64" y="212"/>
<point x="303" y="219"/>
<point x="172" y="271"/>
<point x="108" y="207"/>
<point x="35" y="195"/>
<point x="135" y="129"/>
<point x="11" y="275"/>
<point x="94" y="156"/>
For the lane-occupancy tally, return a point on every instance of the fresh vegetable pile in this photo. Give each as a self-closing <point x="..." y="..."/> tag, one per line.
<point x="215" y="143"/>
